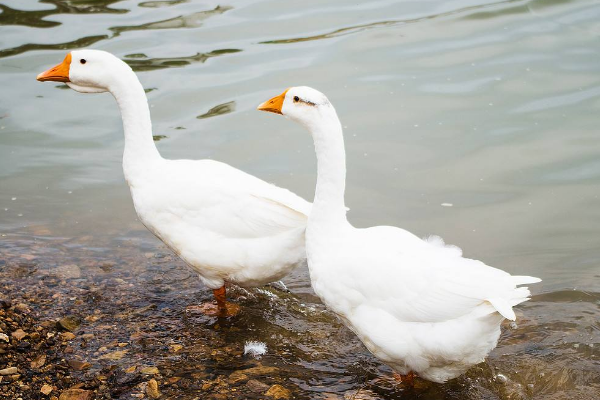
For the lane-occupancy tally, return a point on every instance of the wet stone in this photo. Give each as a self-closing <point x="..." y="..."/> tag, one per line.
<point x="115" y="355"/>
<point x="19" y="334"/>
<point x="361" y="394"/>
<point x="175" y="348"/>
<point x="78" y="365"/>
<point x="256" y="386"/>
<point x="68" y="271"/>
<point x="46" y="389"/>
<point x="8" y="371"/>
<point x="38" y="362"/>
<point x="152" y="389"/>
<point x="500" y="378"/>
<point x="22" y="308"/>
<point x="70" y="323"/>
<point x="76" y="394"/>
<point x="149" y="371"/>
<point x="278" y="392"/>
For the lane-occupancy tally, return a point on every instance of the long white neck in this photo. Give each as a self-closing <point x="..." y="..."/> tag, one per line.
<point x="328" y="207"/>
<point x="140" y="149"/>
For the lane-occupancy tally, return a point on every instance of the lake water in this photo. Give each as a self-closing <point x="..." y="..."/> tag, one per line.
<point x="475" y="120"/>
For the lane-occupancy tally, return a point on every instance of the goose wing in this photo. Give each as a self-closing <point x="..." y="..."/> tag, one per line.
<point x="427" y="281"/>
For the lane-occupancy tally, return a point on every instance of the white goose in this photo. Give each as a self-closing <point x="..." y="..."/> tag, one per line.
<point x="416" y="304"/>
<point x="227" y="225"/>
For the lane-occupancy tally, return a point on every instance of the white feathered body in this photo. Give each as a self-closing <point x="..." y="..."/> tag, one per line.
<point x="416" y="304"/>
<point x="225" y="224"/>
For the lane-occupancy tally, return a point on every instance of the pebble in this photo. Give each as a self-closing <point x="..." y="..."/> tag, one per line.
<point x="176" y="347"/>
<point x="68" y="271"/>
<point x="46" y="389"/>
<point x="38" y="362"/>
<point x="67" y="336"/>
<point x="257" y="386"/>
<point x="19" y="334"/>
<point x="278" y="392"/>
<point x="362" y="394"/>
<point x="501" y="378"/>
<point x="152" y="389"/>
<point x="4" y="336"/>
<point x="115" y="355"/>
<point x="69" y="323"/>
<point x="236" y="377"/>
<point x="22" y="308"/>
<point x="76" y="394"/>
<point x="8" y="371"/>
<point x="79" y="365"/>
<point x="150" y="371"/>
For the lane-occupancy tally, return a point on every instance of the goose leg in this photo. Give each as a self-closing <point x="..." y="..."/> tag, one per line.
<point x="408" y="379"/>
<point x="222" y="308"/>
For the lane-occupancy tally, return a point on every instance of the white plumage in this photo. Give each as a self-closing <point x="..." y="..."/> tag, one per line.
<point x="225" y="224"/>
<point x="416" y="304"/>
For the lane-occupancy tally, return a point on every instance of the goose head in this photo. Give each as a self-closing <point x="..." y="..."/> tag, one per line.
<point x="88" y="71"/>
<point x="301" y="104"/>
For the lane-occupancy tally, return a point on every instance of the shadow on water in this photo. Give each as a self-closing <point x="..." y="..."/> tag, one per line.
<point x="183" y="21"/>
<point x="158" y="4"/>
<point x="35" y="19"/>
<point x="139" y="62"/>
<point x="75" y="44"/>
<point x="220" y="109"/>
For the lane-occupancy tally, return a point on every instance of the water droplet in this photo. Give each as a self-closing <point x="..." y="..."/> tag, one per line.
<point x="446" y="204"/>
<point x="13" y="199"/>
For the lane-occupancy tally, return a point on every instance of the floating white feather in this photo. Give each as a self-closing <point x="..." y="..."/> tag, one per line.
<point x="255" y="349"/>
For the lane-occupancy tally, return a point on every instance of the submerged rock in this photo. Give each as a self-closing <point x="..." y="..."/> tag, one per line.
<point x="279" y="392"/>
<point x="257" y="386"/>
<point x="150" y="371"/>
<point x="152" y="389"/>
<point x="69" y="323"/>
<point x="115" y="355"/>
<point x="79" y="365"/>
<point x="76" y="394"/>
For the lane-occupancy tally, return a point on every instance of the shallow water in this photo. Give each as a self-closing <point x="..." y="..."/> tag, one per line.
<point x="475" y="120"/>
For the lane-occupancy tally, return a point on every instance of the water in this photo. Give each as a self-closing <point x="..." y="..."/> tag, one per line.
<point x="472" y="119"/>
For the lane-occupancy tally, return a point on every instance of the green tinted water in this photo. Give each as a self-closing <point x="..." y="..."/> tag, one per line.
<point x="475" y="120"/>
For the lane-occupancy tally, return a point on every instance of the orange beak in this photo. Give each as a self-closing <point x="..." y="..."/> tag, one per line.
<point x="60" y="73"/>
<point x="274" y="105"/>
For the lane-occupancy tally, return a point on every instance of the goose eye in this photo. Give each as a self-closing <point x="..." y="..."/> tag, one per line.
<point x="83" y="61"/>
<point x="296" y="99"/>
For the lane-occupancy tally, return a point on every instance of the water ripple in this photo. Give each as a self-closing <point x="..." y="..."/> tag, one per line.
<point x="150" y="64"/>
